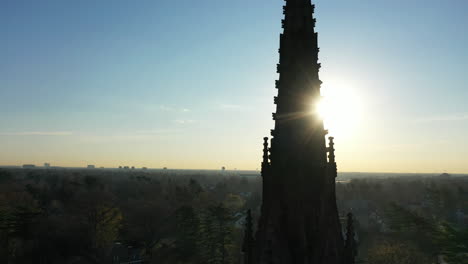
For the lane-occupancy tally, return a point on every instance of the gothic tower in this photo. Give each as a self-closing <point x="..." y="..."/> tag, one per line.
<point x="299" y="220"/>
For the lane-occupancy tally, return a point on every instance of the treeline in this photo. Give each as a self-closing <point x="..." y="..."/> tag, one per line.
<point x="409" y="219"/>
<point x="73" y="216"/>
<point x="110" y="216"/>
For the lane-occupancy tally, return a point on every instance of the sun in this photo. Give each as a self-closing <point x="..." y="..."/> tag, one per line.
<point x="341" y="110"/>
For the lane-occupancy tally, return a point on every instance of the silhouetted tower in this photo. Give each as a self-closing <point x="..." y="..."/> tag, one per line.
<point x="299" y="220"/>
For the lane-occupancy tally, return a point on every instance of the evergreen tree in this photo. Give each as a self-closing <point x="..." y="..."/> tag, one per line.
<point x="187" y="231"/>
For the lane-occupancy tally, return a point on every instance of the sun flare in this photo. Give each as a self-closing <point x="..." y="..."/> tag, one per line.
<point x="341" y="111"/>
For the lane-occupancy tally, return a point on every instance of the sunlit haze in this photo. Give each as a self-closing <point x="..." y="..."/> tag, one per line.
<point x="190" y="84"/>
<point x="341" y="108"/>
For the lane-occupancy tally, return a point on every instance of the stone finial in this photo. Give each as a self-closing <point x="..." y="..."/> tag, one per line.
<point x="266" y="157"/>
<point x="331" y="150"/>
<point x="350" y="243"/>
<point x="247" y="246"/>
<point x="265" y="150"/>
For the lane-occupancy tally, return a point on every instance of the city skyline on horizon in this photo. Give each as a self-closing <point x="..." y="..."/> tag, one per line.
<point x="131" y="84"/>
<point x="226" y="169"/>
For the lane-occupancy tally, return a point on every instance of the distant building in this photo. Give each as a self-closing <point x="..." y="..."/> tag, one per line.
<point x="133" y="167"/>
<point x="445" y="175"/>
<point x="91" y="167"/>
<point x="462" y="218"/>
<point x="239" y="219"/>
<point x="29" y="166"/>
<point x="245" y="194"/>
<point x="123" y="254"/>
<point x="441" y="260"/>
<point x="46" y="165"/>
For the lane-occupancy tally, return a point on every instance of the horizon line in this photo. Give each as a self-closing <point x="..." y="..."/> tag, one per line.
<point x="213" y="170"/>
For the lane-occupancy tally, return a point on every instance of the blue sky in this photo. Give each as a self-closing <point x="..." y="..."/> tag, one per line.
<point x="190" y="84"/>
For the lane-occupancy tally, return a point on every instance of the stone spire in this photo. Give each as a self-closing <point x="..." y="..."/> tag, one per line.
<point x="299" y="220"/>
<point x="298" y="85"/>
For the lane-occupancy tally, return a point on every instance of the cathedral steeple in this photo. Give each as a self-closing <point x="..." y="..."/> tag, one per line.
<point x="299" y="218"/>
<point x="298" y="16"/>
<point x="299" y="84"/>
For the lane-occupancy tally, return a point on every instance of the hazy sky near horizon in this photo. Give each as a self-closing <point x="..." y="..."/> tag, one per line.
<point x="190" y="84"/>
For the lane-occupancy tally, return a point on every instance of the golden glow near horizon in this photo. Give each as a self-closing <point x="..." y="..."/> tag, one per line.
<point x="341" y="110"/>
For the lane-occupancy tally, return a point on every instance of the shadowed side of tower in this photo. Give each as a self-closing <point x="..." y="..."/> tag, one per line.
<point x="299" y="220"/>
